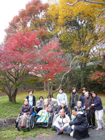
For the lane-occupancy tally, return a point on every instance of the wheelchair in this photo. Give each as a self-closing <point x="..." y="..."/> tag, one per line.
<point x="45" y="125"/>
<point x="29" y="125"/>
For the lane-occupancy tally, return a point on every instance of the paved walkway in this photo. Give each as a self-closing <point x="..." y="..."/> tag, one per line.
<point x="94" y="135"/>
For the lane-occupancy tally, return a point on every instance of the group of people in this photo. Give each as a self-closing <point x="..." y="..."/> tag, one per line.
<point x="74" y="117"/>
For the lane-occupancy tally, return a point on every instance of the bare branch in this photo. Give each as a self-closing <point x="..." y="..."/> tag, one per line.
<point x="68" y="3"/>
<point x="100" y="9"/>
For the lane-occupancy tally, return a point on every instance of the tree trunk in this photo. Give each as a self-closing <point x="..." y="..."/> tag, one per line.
<point x="12" y="99"/>
<point x="51" y="92"/>
<point x="45" y="86"/>
<point x="12" y="96"/>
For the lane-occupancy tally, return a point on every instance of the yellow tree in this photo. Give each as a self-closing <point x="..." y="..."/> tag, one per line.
<point x="79" y="27"/>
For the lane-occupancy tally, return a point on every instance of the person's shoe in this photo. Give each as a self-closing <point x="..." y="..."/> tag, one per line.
<point x="68" y="134"/>
<point x="59" y="133"/>
<point x="98" y="128"/>
<point x="93" y="127"/>
<point x="90" y="126"/>
<point x="103" y="127"/>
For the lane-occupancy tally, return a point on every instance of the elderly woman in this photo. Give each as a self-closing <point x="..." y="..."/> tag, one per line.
<point x="62" y="106"/>
<point x="26" y="110"/>
<point x="62" y="123"/>
<point x="79" y="107"/>
<point x="89" y="110"/>
<point x="97" y="104"/>
<point x="44" y="113"/>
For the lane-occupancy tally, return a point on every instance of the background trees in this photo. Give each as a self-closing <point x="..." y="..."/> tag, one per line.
<point x="79" y="28"/>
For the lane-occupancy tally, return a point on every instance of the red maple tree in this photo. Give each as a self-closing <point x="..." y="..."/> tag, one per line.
<point x="99" y="75"/>
<point x="32" y="18"/>
<point x="22" y="54"/>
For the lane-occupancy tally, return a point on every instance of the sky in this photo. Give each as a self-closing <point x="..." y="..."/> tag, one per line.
<point x="9" y="9"/>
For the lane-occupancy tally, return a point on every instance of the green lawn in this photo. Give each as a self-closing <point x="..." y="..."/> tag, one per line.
<point x="8" y="109"/>
<point x="11" y="110"/>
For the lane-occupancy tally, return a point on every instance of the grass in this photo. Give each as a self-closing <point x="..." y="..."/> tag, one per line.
<point x="12" y="134"/>
<point x="11" y="110"/>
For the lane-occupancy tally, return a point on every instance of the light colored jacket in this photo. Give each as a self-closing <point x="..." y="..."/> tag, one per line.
<point x="62" y="120"/>
<point x="62" y="97"/>
<point x="40" y="104"/>
<point x="53" y="102"/>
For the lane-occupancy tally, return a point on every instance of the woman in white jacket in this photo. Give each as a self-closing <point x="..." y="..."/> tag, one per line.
<point x="62" y="123"/>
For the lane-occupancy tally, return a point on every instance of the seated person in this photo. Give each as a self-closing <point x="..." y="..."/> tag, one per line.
<point x="62" y="106"/>
<point x="44" y="113"/>
<point x="62" y="123"/>
<point x="52" y="102"/>
<point x="79" y="125"/>
<point x="26" y="110"/>
<point x="79" y="107"/>
<point x="58" y="108"/>
<point x="47" y="106"/>
<point x="39" y="104"/>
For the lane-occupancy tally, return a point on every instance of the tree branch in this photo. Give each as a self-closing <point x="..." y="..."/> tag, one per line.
<point x="68" y="3"/>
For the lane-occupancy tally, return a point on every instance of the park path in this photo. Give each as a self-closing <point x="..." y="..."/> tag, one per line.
<point x="94" y="135"/>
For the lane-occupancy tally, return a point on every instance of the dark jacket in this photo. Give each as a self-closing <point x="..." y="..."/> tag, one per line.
<point x="82" y="99"/>
<point x="80" y="126"/>
<point x="97" y="103"/>
<point x="26" y="109"/>
<point x="88" y="102"/>
<point x="76" y="98"/>
<point x="66" y="109"/>
<point x="34" y="100"/>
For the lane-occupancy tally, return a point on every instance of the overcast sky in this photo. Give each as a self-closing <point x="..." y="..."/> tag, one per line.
<point x="8" y="9"/>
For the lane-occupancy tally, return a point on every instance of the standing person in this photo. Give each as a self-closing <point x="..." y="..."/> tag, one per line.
<point x="31" y="99"/>
<point x="61" y="97"/>
<point x="74" y="97"/>
<point x="89" y="110"/>
<point x="39" y="104"/>
<point x="97" y="104"/>
<point x="82" y="97"/>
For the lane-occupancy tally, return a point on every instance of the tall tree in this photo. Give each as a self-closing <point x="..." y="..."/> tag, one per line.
<point x="78" y="28"/>
<point x="21" y="54"/>
<point x="32" y="18"/>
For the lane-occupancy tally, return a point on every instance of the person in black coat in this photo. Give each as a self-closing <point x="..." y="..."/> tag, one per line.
<point x="79" y="125"/>
<point x="31" y="99"/>
<point x="58" y="108"/>
<point x="62" y="106"/>
<point x="82" y="97"/>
